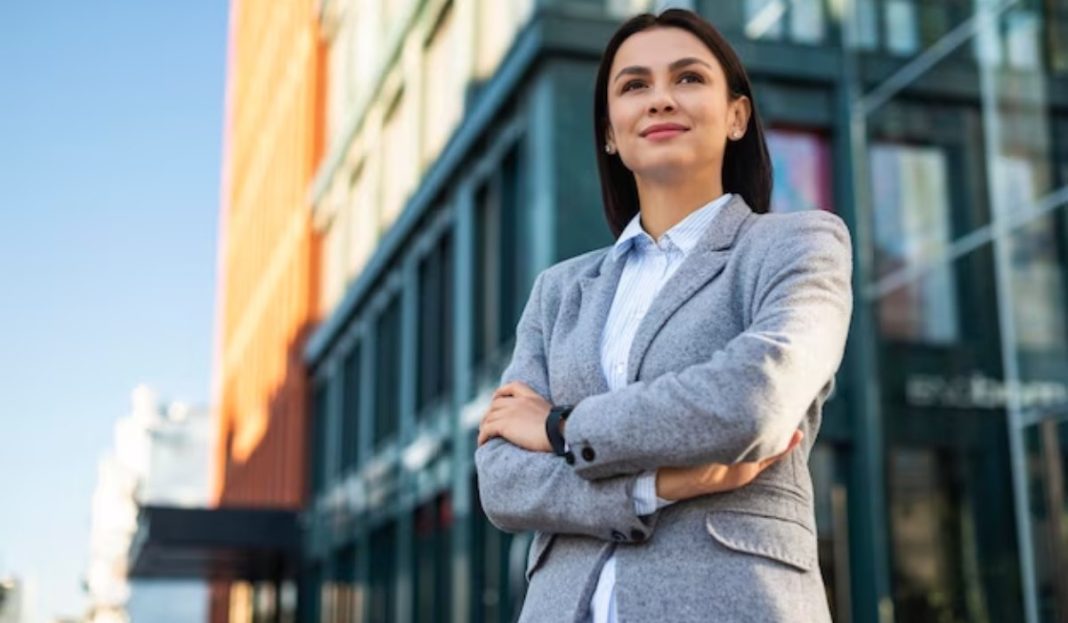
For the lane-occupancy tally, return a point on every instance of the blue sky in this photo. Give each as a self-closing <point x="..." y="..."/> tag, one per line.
<point x="110" y="143"/>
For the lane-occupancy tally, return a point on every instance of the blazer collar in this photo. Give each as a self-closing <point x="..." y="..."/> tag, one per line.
<point x="598" y="287"/>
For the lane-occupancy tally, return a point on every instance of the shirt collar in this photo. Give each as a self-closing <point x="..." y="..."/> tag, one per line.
<point x="685" y="234"/>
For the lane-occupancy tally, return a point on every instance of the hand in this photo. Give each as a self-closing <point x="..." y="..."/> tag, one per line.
<point x="518" y="414"/>
<point x="681" y="483"/>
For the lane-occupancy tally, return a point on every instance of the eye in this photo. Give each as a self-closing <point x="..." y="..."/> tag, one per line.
<point x="631" y="84"/>
<point x="691" y="76"/>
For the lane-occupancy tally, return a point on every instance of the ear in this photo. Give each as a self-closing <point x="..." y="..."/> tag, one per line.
<point x="609" y="136"/>
<point x="738" y="113"/>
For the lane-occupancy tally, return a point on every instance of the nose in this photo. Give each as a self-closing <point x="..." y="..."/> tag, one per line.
<point x="661" y="101"/>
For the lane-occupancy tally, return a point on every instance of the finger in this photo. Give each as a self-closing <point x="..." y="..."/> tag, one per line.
<point x="499" y="405"/>
<point x="485" y="433"/>
<point x="517" y="389"/>
<point x="795" y="440"/>
<point x="513" y="388"/>
<point x="490" y="415"/>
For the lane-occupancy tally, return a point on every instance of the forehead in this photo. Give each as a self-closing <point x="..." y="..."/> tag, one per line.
<point x="655" y="48"/>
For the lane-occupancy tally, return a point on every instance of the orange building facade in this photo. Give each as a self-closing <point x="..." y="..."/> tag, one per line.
<point x="266" y="301"/>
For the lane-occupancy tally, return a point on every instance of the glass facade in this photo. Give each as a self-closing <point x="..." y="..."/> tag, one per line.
<point x="933" y="127"/>
<point x="964" y="194"/>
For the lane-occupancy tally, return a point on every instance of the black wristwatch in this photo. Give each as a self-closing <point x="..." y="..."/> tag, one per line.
<point x="557" y="414"/>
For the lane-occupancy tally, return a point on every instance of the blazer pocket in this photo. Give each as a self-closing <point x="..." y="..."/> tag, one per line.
<point x="538" y="547"/>
<point x="782" y="540"/>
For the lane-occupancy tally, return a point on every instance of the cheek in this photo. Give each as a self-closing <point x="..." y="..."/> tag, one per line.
<point x="623" y="116"/>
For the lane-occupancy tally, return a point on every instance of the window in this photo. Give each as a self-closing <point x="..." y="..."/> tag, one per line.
<point x="501" y="261"/>
<point x="493" y="599"/>
<point x="444" y="84"/>
<point x="498" y="23"/>
<point x="311" y="585"/>
<point x="399" y="157"/>
<point x="801" y="21"/>
<point x="333" y="262"/>
<point x="383" y="591"/>
<point x="361" y="222"/>
<point x="912" y="224"/>
<point x="434" y="363"/>
<point x="431" y="564"/>
<point x="320" y="436"/>
<point x="387" y="373"/>
<point x="350" y="409"/>
<point x="341" y="598"/>
<point x="801" y="165"/>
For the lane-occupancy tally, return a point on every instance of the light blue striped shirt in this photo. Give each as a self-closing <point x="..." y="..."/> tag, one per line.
<point x="649" y="265"/>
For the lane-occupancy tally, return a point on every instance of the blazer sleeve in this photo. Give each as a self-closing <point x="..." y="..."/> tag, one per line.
<point x="744" y="403"/>
<point x="524" y="490"/>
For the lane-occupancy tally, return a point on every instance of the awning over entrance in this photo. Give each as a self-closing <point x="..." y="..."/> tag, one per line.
<point x="219" y="543"/>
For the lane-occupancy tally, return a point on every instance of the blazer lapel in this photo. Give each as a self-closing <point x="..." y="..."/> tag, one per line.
<point x="703" y="264"/>
<point x="597" y="290"/>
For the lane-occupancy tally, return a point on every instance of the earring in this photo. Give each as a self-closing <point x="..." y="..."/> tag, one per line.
<point x="608" y="148"/>
<point x="737" y="135"/>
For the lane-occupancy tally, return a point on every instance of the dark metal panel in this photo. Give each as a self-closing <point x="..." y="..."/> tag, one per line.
<point x="226" y="543"/>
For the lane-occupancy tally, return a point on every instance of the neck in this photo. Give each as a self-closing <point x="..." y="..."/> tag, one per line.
<point x="663" y="203"/>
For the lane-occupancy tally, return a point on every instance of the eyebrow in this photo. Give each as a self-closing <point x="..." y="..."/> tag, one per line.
<point x="643" y="71"/>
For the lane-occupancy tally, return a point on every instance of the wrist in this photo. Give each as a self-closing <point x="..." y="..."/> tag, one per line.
<point x="666" y="485"/>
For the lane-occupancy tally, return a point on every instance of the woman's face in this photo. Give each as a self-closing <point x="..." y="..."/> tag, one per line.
<point x="668" y="107"/>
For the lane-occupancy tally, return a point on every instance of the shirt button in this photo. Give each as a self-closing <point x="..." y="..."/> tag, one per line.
<point x="618" y="536"/>
<point x="588" y="454"/>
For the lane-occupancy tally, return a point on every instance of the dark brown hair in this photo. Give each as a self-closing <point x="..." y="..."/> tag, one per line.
<point x="746" y="164"/>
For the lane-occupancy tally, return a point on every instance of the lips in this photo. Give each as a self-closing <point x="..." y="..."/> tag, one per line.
<point x="663" y="130"/>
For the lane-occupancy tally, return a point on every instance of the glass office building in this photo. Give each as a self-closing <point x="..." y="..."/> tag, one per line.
<point x="935" y="128"/>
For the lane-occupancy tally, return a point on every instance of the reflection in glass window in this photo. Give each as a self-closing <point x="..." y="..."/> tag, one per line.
<point x="501" y="270"/>
<point x="901" y="33"/>
<point x="350" y="408"/>
<point x="382" y="596"/>
<point x="801" y="21"/>
<point x="1047" y="443"/>
<point x="1037" y="277"/>
<point x="911" y="210"/>
<point x="341" y="596"/>
<point x="941" y="538"/>
<point x="491" y="599"/>
<point x="801" y="165"/>
<point x="320" y="437"/>
<point x="1023" y="35"/>
<point x="387" y="373"/>
<point x="431" y="560"/>
<point x="865" y="25"/>
<point x="1057" y="20"/>
<point x="434" y="365"/>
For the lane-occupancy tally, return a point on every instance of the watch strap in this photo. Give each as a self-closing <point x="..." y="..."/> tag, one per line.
<point x="557" y="414"/>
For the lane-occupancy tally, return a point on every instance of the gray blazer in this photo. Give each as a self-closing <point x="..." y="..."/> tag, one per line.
<point x="739" y="349"/>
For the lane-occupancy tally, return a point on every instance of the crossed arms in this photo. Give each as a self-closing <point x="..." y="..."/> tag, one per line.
<point x="743" y="404"/>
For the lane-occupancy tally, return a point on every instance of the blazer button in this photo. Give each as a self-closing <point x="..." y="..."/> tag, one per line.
<point x="588" y="453"/>
<point x="569" y="456"/>
<point x="637" y="535"/>
<point x="618" y="536"/>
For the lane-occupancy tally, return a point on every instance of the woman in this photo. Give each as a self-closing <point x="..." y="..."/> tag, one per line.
<point x="646" y="426"/>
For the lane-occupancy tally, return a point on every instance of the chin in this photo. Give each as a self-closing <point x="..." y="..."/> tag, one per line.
<point x="666" y="167"/>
